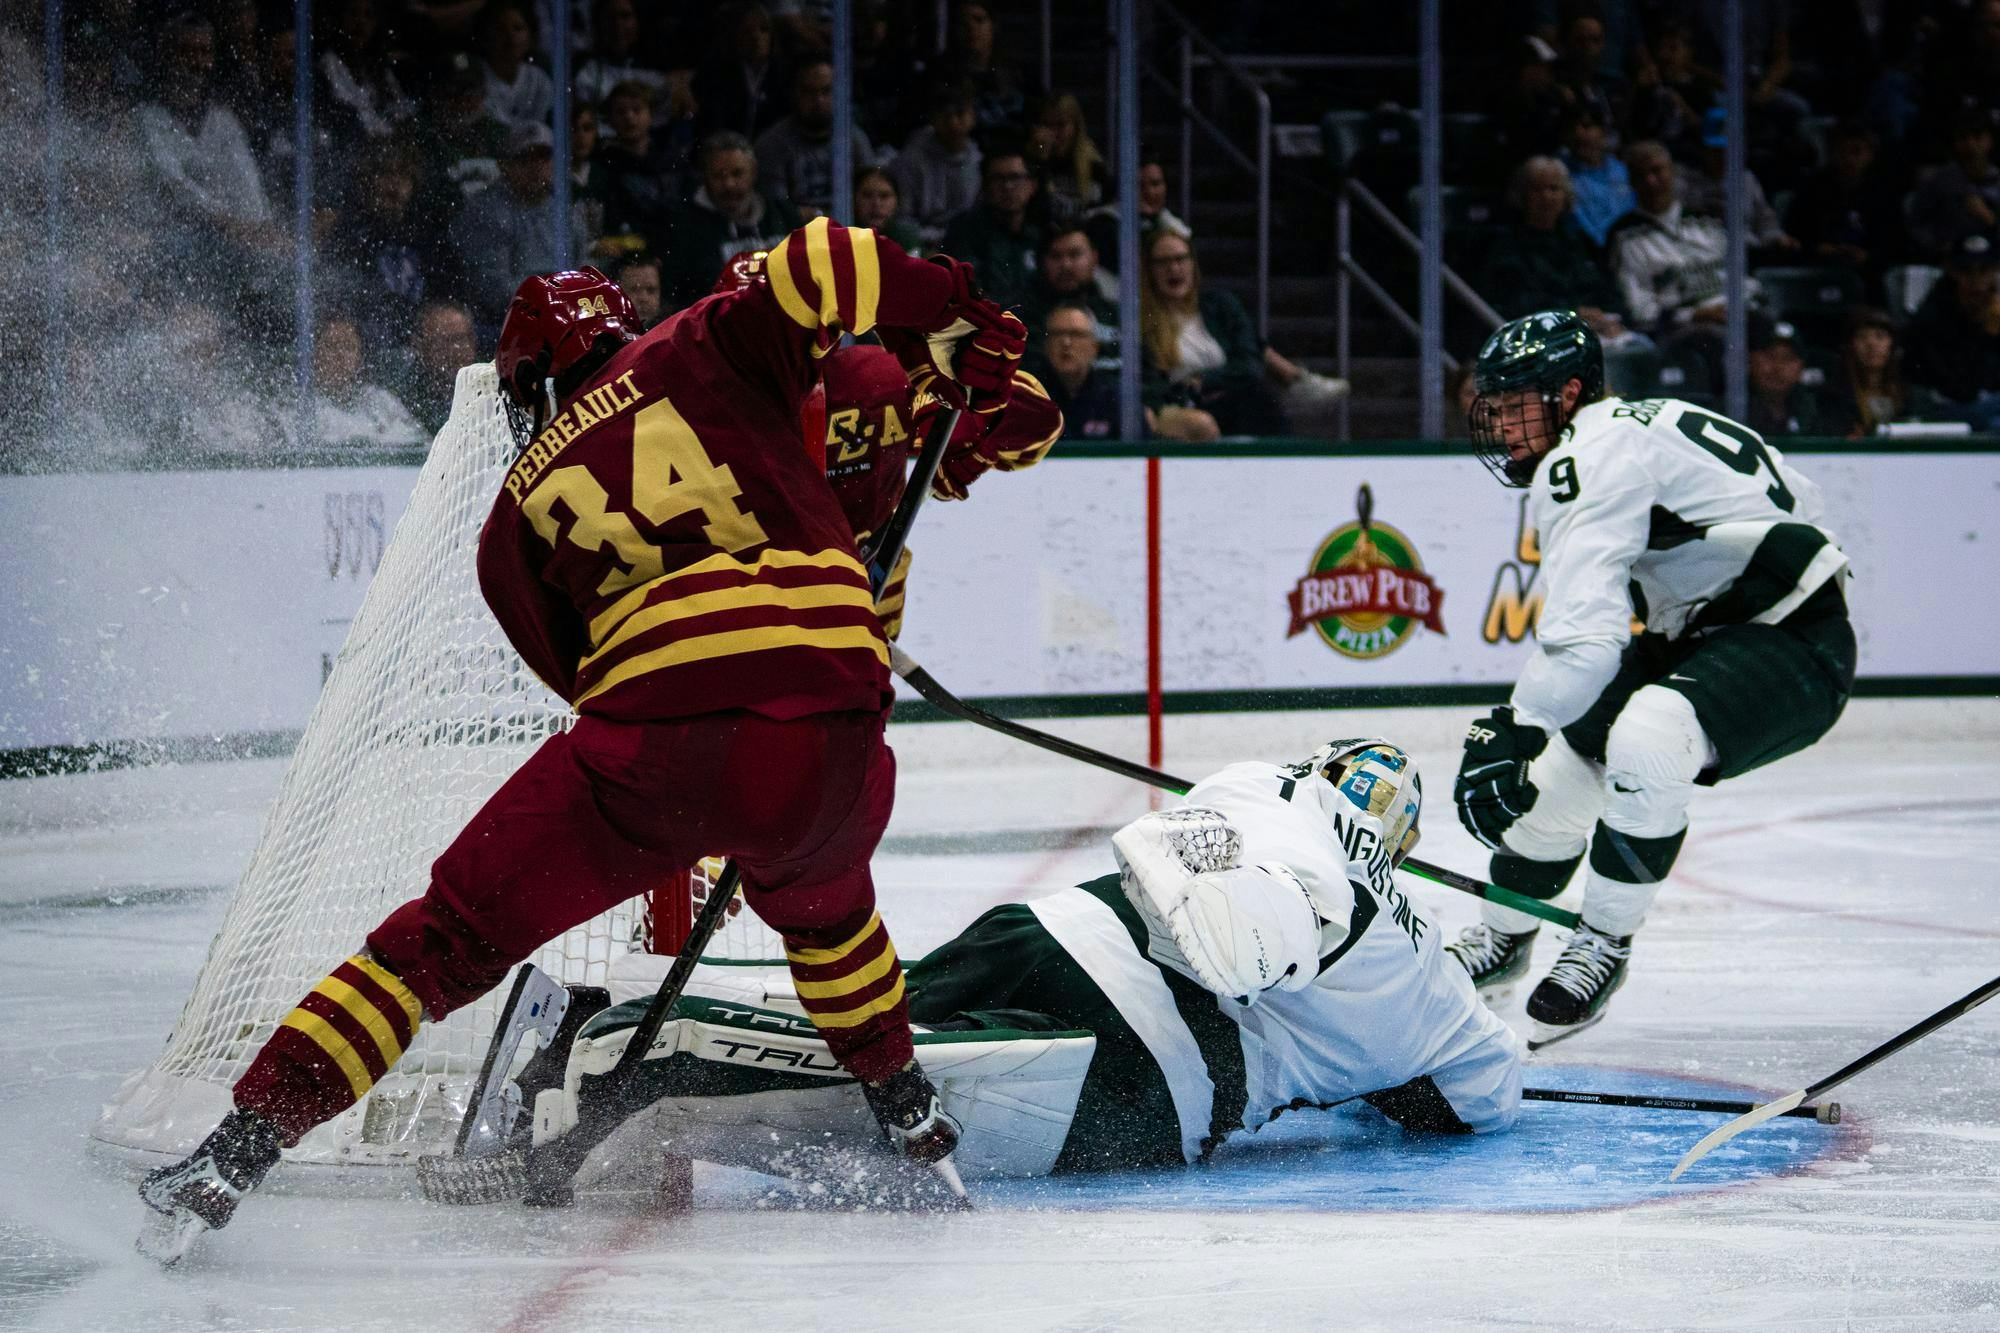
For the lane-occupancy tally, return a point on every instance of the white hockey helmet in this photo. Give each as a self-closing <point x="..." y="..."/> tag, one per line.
<point x="1379" y="778"/>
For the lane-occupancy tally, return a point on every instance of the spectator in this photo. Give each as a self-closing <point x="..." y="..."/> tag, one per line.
<point x="458" y="145"/>
<point x="1671" y="93"/>
<point x="1541" y="260"/>
<point x="517" y="93"/>
<point x="795" y="156"/>
<point x="349" y="412"/>
<point x="1600" y="187"/>
<point x="1072" y="167"/>
<point x="441" y="343"/>
<point x="740" y="87"/>
<point x="505" y="233"/>
<point x="727" y="216"/>
<point x="1087" y="395"/>
<point x="1954" y="338"/>
<point x="388" y="258"/>
<point x="1069" y="276"/>
<point x="1962" y="62"/>
<point x="1528" y="111"/>
<point x="644" y="166"/>
<point x="999" y="236"/>
<point x="1579" y="80"/>
<point x="1868" y="389"/>
<point x="878" y="206"/>
<point x="201" y="163"/>
<point x="230" y="417"/>
<point x="358" y="89"/>
<point x="1779" y="403"/>
<point x="614" y="58"/>
<point x="1705" y="194"/>
<point x="1668" y="263"/>
<point x="1845" y="214"/>
<point x="639" y="275"/>
<point x="589" y="185"/>
<point x="1200" y="347"/>
<point x="1153" y="212"/>
<point x="972" y="58"/>
<point x="1964" y="194"/>
<point x="937" y="172"/>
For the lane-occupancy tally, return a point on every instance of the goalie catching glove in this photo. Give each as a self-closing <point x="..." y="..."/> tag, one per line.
<point x="970" y="360"/>
<point x="1237" y="930"/>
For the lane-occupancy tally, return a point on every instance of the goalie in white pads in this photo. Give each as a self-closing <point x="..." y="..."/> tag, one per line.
<point x="1659" y="511"/>
<point x="1252" y="956"/>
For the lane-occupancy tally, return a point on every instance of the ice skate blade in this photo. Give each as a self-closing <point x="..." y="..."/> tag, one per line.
<point x="960" y="1201"/>
<point x="1547" y="1034"/>
<point x="166" y="1238"/>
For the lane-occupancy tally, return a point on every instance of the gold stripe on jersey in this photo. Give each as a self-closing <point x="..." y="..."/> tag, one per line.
<point x="338" y="1049"/>
<point x="855" y="1017"/>
<point x="831" y="558"/>
<point x="363" y="1011"/>
<point x="816" y="957"/>
<point x="392" y="983"/>
<point x="819" y="261"/>
<point x="809" y="597"/>
<point x="735" y="643"/>
<point x="778" y="272"/>
<point x="867" y="278"/>
<point x="867" y="974"/>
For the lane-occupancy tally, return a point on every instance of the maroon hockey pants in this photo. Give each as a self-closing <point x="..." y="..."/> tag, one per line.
<point x="610" y="810"/>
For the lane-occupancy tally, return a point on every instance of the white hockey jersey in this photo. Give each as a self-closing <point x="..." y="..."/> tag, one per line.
<point x="1665" y="511"/>
<point x="1388" y="1004"/>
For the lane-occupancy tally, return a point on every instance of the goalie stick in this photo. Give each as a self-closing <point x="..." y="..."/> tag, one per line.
<point x="927" y="685"/>
<point x="541" y="1176"/>
<point x="1786" y="1105"/>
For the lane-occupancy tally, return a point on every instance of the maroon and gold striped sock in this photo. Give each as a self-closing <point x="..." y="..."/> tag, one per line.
<point x="332" y="1048"/>
<point x="853" y="992"/>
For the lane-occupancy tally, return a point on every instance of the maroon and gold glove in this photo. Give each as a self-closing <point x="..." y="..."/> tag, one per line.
<point x="969" y="360"/>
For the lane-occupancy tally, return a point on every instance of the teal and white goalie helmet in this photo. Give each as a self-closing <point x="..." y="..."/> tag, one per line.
<point x="1379" y="778"/>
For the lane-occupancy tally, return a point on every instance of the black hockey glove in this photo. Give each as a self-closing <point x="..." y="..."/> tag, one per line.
<point x="1493" y="790"/>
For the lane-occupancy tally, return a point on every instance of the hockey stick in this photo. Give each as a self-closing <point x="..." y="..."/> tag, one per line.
<point x="946" y="702"/>
<point x="1827" y="1113"/>
<point x="1957" y="1009"/>
<point x="551" y="1169"/>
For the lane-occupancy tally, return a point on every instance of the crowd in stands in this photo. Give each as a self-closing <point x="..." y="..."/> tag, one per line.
<point x="699" y="131"/>
<point x="1871" y="192"/>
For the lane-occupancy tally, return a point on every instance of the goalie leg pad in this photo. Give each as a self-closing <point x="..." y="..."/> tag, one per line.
<point x="752" y="1088"/>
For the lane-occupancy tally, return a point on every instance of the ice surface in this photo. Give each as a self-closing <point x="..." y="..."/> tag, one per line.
<point x="1821" y="905"/>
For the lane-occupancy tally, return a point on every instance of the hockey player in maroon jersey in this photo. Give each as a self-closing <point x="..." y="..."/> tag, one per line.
<point x="665" y="557"/>
<point x="866" y="418"/>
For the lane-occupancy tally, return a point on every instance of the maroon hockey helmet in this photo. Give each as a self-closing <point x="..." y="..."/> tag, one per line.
<point x="553" y="322"/>
<point x="743" y="270"/>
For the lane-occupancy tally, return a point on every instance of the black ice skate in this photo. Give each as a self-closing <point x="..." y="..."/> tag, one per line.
<point x="915" y="1123"/>
<point x="200" y="1194"/>
<point x="1496" y="959"/>
<point x="1573" y="995"/>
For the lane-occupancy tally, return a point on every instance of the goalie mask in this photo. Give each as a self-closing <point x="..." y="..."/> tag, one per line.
<point x="1381" y="779"/>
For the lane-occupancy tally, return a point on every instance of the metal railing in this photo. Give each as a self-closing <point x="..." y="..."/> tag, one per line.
<point x="1349" y="274"/>
<point x="1191" y="41"/>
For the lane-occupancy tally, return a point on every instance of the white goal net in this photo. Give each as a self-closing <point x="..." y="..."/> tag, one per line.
<point x="427" y="711"/>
